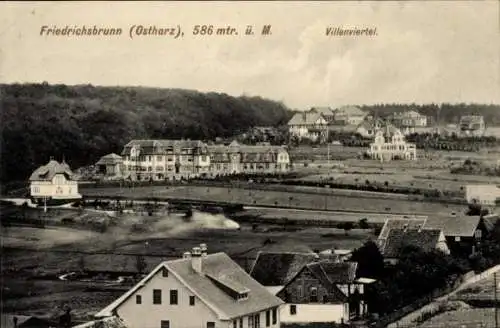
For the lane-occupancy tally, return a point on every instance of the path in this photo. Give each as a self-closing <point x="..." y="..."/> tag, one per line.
<point x="409" y="319"/>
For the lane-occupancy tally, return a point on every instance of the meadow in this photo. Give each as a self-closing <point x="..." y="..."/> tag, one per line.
<point x="302" y="200"/>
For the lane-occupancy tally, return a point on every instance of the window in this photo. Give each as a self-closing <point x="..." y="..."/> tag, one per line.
<point x="299" y="291"/>
<point x="210" y="324"/>
<point x="235" y="324"/>
<point x="156" y="296"/>
<point x="241" y="322"/>
<point x="165" y="324"/>
<point x="256" y="321"/>
<point x="250" y="321"/>
<point x="173" y="297"/>
<point x="191" y="300"/>
<point x="138" y="299"/>
<point x="293" y="309"/>
<point x="164" y="272"/>
<point x="275" y="316"/>
<point x="313" y="296"/>
<point x="159" y="158"/>
<point x="268" y="318"/>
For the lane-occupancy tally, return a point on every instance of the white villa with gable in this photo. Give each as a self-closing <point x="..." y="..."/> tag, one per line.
<point x="199" y="290"/>
<point x="53" y="184"/>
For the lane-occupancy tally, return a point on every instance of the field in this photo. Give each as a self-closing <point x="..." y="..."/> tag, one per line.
<point x="32" y="258"/>
<point x="284" y="199"/>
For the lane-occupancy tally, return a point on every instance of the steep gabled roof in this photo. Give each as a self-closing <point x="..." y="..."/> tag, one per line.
<point x="399" y="224"/>
<point x="48" y="171"/>
<point x="427" y="240"/>
<point x="110" y="159"/>
<point x="278" y="268"/>
<point x="350" y="110"/>
<point x="454" y="226"/>
<point x="305" y="118"/>
<point x="337" y="272"/>
<point x="218" y="272"/>
<point x="325" y="111"/>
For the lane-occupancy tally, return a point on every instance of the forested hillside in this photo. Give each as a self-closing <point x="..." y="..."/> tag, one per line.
<point x="85" y="122"/>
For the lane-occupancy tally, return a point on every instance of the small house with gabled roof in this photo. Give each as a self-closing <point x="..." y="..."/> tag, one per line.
<point x="425" y="239"/>
<point x="54" y="184"/>
<point x="315" y="287"/>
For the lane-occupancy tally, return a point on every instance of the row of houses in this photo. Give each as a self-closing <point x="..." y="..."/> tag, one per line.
<point x="317" y="122"/>
<point x="185" y="159"/>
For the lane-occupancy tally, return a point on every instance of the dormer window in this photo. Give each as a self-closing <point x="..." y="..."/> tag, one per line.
<point x="242" y="296"/>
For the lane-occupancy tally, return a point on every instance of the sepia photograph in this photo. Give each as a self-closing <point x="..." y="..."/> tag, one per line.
<point x="250" y="164"/>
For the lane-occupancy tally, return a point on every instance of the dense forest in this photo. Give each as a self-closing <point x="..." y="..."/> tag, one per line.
<point x="85" y="122"/>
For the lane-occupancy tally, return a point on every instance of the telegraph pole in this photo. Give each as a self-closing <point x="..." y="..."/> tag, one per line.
<point x="496" y="299"/>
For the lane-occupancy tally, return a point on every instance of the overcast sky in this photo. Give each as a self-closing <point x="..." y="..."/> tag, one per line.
<point x="425" y="51"/>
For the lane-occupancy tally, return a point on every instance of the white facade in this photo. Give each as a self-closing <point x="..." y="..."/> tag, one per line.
<point x="149" y="315"/>
<point x="486" y="194"/>
<point x="192" y="292"/>
<point x="307" y="313"/>
<point x="391" y="146"/>
<point x="58" y="187"/>
<point x="307" y="125"/>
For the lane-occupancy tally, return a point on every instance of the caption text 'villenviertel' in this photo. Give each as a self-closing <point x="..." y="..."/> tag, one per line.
<point x="176" y="31"/>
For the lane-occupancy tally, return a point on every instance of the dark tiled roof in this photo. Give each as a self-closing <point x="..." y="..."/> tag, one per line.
<point x="462" y="226"/>
<point x="337" y="272"/>
<point x="48" y="171"/>
<point x="400" y="224"/>
<point x="217" y="269"/>
<point x="305" y="118"/>
<point x="397" y="239"/>
<point x="278" y="268"/>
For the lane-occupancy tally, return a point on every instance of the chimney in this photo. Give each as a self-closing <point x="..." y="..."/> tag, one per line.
<point x="203" y="248"/>
<point x="186" y="255"/>
<point x="196" y="259"/>
<point x="304" y="116"/>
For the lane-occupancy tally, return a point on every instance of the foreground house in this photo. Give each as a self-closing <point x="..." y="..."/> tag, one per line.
<point x="53" y="184"/>
<point x="315" y="287"/>
<point x="462" y="233"/>
<point x="426" y="239"/>
<point x="199" y="290"/>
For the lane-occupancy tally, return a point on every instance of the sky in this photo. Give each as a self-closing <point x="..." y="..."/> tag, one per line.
<point x="424" y="51"/>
